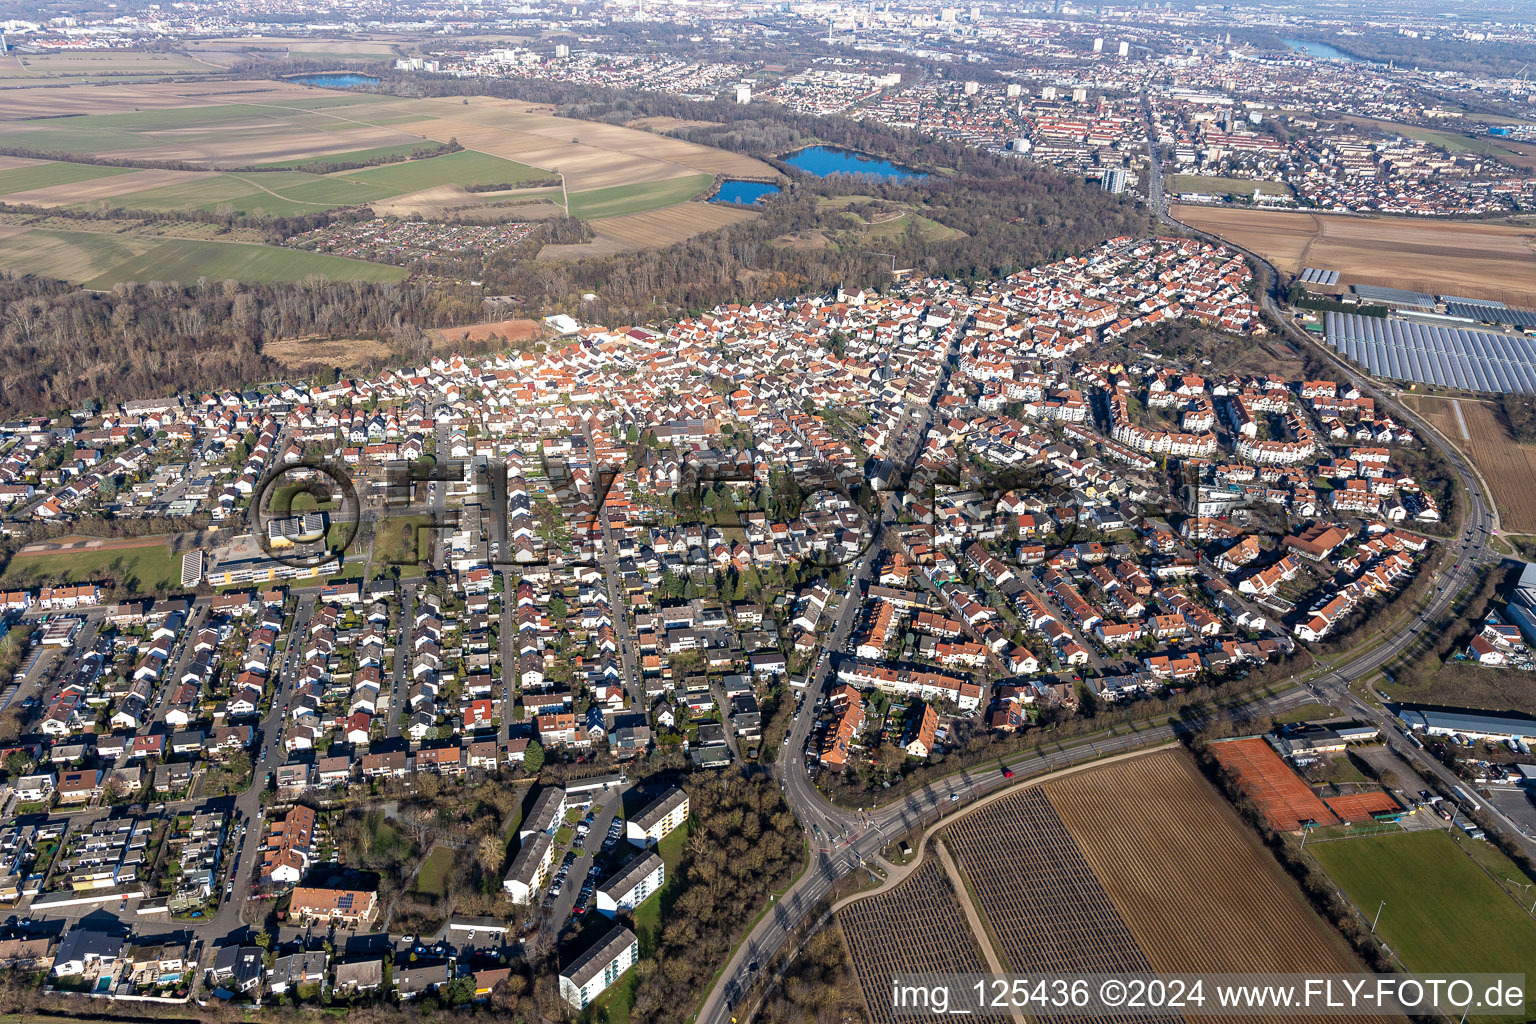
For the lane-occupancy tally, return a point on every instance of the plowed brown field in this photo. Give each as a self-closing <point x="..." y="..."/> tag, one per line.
<point x="1473" y="258"/>
<point x="1197" y="889"/>
<point x="1509" y="467"/>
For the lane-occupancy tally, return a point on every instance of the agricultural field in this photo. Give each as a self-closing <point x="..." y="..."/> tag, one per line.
<point x="1037" y="929"/>
<point x="138" y="564"/>
<point x="186" y="260"/>
<point x="1443" y="911"/>
<point x="103" y="252"/>
<point x="637" y="198"/>
<point x="1509" y="467"/>
<point x="1473" y="258"/>
<point x="1112" y="854"/>
<point x="1144" y="824"/>
<point x="35" y="69"/>
<point x="917" y="927"/>
<point x="649" y="230"/>
<point x="259" y="148"/>
<point x="19" y="175"/>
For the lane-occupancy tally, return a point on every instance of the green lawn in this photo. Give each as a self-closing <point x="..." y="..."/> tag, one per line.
<point x="1306" y="713"/>
<point x="613" y="1006"/>
<point x="598" y="203"/>
<point x="1443" y="913"/>
<point x="57" y="172"/>
<point x="648" y="914"/>
<point x="186" y="260"/>
<point x="433" y="877"/>
<point x="141" y="569"/>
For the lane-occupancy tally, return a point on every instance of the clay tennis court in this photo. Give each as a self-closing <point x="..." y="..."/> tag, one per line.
<point x="1286" y="801"/>
<point x="1362" y="807"/>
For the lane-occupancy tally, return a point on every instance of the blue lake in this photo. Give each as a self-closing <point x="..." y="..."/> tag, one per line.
<point x="744" y="192"/>
<point x="336" y="80"/>
<point x="824" y="160"/>
<point x="1321" y="51"/>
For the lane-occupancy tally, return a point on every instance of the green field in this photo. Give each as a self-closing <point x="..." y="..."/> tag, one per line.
<point x="136" y="569"/>
<point x="648" y="914"/>
<point x="637" y="198"/>
<point x="1443" y="912"/>
<point x="432" y="879"/>
<point x="1225" y="186"/>
<point x="1305" y="713"/>
<point x="284" y="193"/>
<point x="102" y="259"/>
<point x="186" y="260"/>
<point x="21" y="179"/>
<point x="400" y="152"/>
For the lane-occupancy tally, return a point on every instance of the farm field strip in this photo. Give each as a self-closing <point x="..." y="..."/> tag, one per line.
<point x="1169" y="848"/>
<point x="917" y="927"/>
<point x="1509" y="467"/>
<point x="1039" y="895"/>
<point x="640" y="197"/>
<point x="656" y="228"/>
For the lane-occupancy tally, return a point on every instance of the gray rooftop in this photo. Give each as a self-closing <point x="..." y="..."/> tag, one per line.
<point x="659" y="808"/>
<point x="591" y="963"/>
<point x="631" y="874"/>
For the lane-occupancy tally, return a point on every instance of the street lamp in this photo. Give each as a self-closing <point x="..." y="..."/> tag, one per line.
<point x="1377" y="917"/>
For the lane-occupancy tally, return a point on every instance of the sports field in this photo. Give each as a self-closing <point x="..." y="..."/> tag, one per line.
<point x="1443" y="912"/>
<point x="1180" y="183"/>
<point x="1284" y="798"/>
<point x="1472" y="258"/>
<point x="139" y="565"/>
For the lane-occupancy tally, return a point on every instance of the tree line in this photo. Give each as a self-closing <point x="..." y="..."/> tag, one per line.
<point x="61" y="346"/>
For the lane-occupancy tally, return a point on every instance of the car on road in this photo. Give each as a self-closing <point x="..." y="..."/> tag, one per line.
<point x="1007" y="772"/>
<point x="954" y="798"/>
